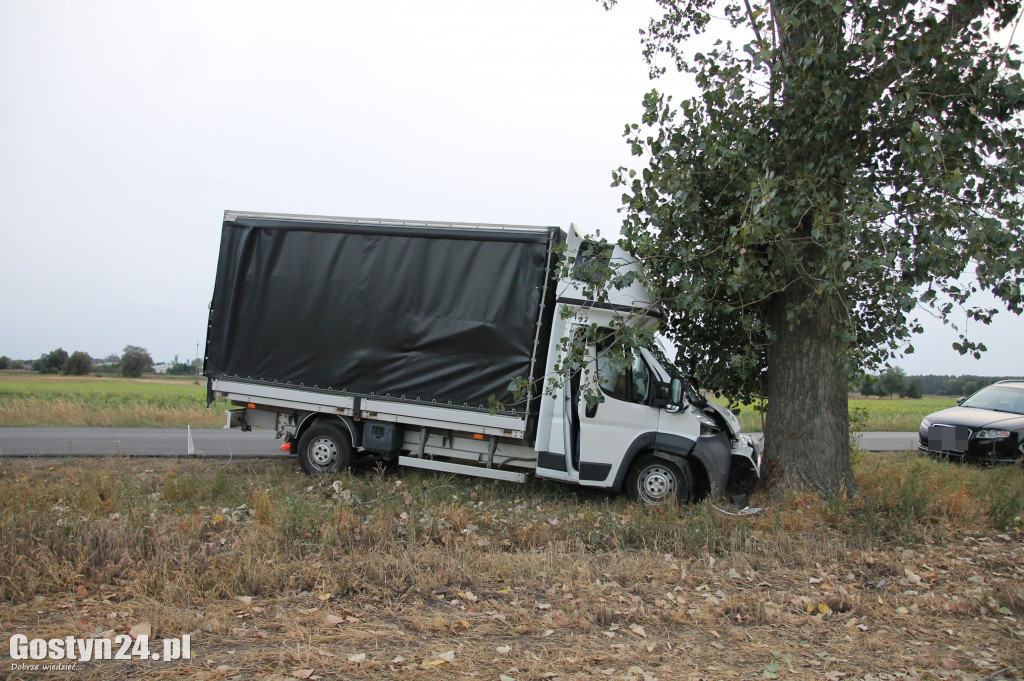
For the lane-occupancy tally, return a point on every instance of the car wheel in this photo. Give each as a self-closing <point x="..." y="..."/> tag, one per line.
<point x="324" y="448"/>
<point x="654" y="481"/>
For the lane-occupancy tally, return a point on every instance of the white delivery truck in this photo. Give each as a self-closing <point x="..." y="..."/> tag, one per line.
<point x="404" y="339"/>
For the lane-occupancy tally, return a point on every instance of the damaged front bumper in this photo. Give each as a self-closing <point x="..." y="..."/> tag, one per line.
<point x="745" y="467"/>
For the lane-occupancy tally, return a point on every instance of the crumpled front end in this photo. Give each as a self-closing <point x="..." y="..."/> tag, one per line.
<point x="745" y="469"/>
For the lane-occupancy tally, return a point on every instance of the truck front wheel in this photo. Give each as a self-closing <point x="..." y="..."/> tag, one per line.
<point x="653" y="480"/>
<point x="324" y="448"/>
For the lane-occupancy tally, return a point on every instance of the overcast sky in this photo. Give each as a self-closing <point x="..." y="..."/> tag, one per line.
<point x="127" y="128"/>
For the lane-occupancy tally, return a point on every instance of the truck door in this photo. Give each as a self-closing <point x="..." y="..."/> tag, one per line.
<point x="609" y="428"/>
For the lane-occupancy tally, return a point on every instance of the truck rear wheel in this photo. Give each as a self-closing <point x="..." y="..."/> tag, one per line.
<point x="324" y="448"/>
<point x="654" y="481"/>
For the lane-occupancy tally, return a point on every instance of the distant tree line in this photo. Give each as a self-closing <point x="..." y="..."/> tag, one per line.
<point x="133" y="362"/>
<point x="895" y="382"/>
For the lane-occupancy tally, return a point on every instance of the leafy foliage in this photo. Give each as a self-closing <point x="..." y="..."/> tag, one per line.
<point x="78" y="364"/>
<point x="844" y="169"/>
<point x="52" y="362"/>
<point x="868" y="150"/>
<point x="180" y="369"/>
<point x="135" y="361"/>
<point x="892" y="381"/>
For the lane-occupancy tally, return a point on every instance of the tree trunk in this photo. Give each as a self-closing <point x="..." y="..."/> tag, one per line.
<point x="807" y="426"/>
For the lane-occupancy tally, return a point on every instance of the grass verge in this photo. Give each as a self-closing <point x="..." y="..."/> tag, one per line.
<point x="408" y="575"/>
<point x="32" y="400"/>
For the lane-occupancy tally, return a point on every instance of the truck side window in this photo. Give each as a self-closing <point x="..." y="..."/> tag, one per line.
<point x="630" y="383"/>
<point x="641" y="379"/>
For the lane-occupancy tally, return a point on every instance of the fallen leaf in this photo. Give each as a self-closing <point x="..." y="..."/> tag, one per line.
<point x="325" y="597"/>
<point x="302" y="673"/>
<point x="357" y="658"/>
<point x="81" y="592"/>
<point x="638" y="630"/>
<point x="141" y="629"/>
<point x="504" y="650"/>
<point x="430" y="664"/>
<point x="334" y="620"/>
<point x="244" y="600"/>
<point x="448" y="656"/>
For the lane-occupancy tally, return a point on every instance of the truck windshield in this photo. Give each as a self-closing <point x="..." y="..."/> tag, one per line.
<point x="669" y="368"/>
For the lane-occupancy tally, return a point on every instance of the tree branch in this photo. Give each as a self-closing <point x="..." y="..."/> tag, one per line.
<point x="959" y="15"/>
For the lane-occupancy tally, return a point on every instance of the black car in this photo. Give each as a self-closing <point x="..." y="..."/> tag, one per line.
<point x="987" y="427"/>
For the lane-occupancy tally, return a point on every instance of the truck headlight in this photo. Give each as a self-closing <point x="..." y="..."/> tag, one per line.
<point x="707" y="424"/>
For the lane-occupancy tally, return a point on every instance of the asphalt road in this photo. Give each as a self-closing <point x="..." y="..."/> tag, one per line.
<point x="219" y="443"/>
<point x="166" y="442"/>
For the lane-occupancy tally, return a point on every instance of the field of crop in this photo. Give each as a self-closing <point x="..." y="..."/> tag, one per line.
<point x="27" y="399"/>
<point x="898" y="414"/>
<point x="380" y="574"/>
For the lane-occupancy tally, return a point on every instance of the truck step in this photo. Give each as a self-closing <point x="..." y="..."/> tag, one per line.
<point x="462" y="469"/>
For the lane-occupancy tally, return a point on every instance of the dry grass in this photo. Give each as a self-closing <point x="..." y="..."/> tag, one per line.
<point x="406" y="575"/>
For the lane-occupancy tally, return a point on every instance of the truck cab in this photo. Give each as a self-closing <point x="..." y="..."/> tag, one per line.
<point x="628" y="419"/>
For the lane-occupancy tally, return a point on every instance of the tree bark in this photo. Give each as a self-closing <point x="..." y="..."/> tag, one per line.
<point x="807" y="425"/>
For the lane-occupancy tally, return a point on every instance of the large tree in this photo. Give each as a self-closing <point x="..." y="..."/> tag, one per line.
<point x="845" y="167"/>
<point x="52" y="362"/>
<point x="78" y="364"/>
<point x="135" y="360"/>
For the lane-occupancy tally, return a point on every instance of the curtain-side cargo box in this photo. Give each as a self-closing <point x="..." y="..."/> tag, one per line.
<point x="429" y="313"/>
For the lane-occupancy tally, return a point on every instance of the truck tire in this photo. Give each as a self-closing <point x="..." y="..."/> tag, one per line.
<point x="324" y="448"/>
<point x="654" y="481"/>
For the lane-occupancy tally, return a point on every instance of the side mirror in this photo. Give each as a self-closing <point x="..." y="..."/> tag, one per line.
<point x="675" y="399"/>
<point x="960" y="400"/>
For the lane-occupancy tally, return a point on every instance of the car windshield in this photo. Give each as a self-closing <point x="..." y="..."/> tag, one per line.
<point x="997" y="398"/>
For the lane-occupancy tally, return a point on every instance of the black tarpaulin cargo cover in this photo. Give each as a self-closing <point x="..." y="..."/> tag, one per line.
<point x="420" y="312"/>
